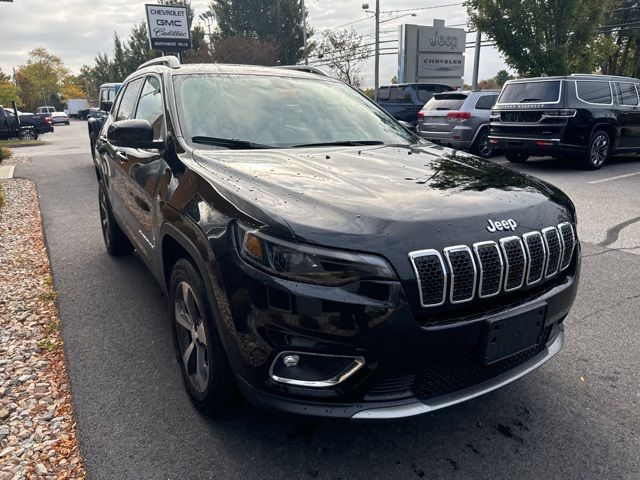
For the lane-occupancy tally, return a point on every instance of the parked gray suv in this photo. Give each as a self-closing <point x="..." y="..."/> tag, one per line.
<point x="459" y="120"/>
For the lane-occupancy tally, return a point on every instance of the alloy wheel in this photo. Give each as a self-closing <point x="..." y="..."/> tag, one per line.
<point x="485" y="149"/>
<point x="191" y="336"/>
<point x="28" y="134"/>
<point x="599" y="150"/>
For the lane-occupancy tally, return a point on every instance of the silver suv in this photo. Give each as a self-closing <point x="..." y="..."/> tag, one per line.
<point x="459" y="120"/>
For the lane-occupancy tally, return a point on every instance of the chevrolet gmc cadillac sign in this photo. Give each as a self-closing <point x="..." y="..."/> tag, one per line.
<point x="168" y="28"/>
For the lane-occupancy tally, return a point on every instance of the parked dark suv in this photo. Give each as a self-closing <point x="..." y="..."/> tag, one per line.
<point x="589" y="117"/>
<point x="405" y="100"/>
<point x="321" y="258"/>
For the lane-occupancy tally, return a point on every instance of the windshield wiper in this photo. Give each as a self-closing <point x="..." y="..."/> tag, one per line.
<point x="232" y="143"/>
<point x="345" y="143"/>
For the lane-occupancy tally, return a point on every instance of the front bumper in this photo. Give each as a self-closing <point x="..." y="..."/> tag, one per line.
<point x="407" y="407"/>
<point x="268" y="316"/>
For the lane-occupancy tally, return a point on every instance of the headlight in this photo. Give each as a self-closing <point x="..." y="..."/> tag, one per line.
<point x="309" y="264"/>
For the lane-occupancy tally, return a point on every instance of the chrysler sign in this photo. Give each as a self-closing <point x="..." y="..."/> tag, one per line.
<point x="168" y="28"/>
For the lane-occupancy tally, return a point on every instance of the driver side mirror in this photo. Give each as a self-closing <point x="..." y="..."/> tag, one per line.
<point x="106" y="105"/>
<point x="132" y="134"/>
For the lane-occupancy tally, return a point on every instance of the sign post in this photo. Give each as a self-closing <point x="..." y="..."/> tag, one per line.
<point x="168" y="28"/>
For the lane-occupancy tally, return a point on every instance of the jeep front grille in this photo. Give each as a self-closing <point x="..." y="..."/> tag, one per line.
<point x="490" y="268"/>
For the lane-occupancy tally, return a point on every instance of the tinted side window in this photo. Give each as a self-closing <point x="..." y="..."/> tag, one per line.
<point x="486" y="102"/>
<point x="627" y="94"/>
<point x="150" y="106"/>
<point x="400" y="94"/>
<point x="594" y="92"/>
<point x="128" y="100"/>
<point x="383" y="93"/>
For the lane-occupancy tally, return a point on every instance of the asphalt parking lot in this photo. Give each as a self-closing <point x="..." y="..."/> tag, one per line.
<point x="576" y="417"/>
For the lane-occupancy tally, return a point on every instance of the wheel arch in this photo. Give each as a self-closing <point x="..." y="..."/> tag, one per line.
<point x="609" y="128"/>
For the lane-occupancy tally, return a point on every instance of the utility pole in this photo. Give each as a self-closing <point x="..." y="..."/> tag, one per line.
<point x="304" y="33"/>
<point x="377" y="51"/>
<point x="476" y="61"/>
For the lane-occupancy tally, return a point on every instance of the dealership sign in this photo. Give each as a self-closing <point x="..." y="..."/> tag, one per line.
<point x="168" y="28"/>
<point x="431" y="54"/>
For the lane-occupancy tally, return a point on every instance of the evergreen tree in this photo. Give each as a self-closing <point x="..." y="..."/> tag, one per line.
<point x="264" y="20"/>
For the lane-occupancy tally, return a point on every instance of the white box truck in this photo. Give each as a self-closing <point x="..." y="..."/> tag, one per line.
<point x="74" y="105"/>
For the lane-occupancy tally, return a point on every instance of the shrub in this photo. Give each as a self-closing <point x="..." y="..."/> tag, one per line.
<point x="4" y="153"/>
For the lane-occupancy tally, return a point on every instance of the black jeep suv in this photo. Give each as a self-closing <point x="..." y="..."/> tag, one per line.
<point x="319" y="256"/>
<point x="589" y="117"/>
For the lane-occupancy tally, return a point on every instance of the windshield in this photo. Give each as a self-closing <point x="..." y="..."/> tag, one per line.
<point x="280" y="112"/>
<point x="526" y="92"/>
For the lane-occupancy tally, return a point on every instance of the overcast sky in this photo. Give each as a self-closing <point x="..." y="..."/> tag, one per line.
<point x="78" y="29"/>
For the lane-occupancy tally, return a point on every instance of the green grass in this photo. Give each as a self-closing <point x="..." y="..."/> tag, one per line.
<point x="48" y="296"/>
<point x="47" y="345"/>
<point x="20" y="143"/>
<point x="1" y="197"/>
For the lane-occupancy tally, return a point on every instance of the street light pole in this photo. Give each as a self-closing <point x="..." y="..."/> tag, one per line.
<point x="377" y="51"/>
<point x="476" y="61"/>
<point x="304" y="33"/>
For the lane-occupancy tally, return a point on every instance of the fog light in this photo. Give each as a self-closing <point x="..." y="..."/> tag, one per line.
<point x="313" y="369"/>
<point x="291" y="360"/>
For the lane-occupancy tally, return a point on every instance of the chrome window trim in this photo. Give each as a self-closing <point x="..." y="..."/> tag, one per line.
<point x="573" y="246"/>
<point x="525" y="138"/>
<point x="619" y="93"/>
<point x="461" y="248"/>
<point x="476" y="247"/>
<point x="546" y="243"/>
<point x="357" y="363"/>
<point x="503" y="241"/>
<point x="424" y="253"/>
<point x="544" y="256"/>
<point x="575" y="82"/>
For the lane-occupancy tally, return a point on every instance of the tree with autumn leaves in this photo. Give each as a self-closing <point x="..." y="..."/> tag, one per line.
<point x="42" y="80"/>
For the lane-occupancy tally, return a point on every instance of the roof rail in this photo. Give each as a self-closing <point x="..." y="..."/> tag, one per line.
<point x="621" y="77"/>
<point x="170" y="61"/>
<point x="304" y="68"/>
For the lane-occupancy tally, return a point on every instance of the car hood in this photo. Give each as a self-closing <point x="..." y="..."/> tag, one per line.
<point x="419" y="197"/>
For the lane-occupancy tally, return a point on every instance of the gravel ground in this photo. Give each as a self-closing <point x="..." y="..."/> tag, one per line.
<point x="37" y="429"/>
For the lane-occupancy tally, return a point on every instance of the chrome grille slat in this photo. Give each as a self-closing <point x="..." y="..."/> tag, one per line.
<point x="463" y="273"/>
<point x="432" y="277"/>
<point x="515" y="259"/>
<point x="491" y="268"/>
<point x="568" y="243"/>
<point x="554" y="250"/>
<point x="537" y="254"/>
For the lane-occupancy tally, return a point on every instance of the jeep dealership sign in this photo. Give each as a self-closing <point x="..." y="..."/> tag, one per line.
<point x="168" y="28"/>
<point x="431" y="54"/>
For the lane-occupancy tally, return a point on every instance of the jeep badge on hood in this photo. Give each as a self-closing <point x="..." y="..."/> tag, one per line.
<point x="508" y="224"/>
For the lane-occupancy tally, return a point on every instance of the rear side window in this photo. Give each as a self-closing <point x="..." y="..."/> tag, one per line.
<point x="627" y="94"/>
<point x="594" y="92"/>
<point x="400" y="94"/>
<point x="486" y="102"/>
<point x="531" y="92"/>
<point x="383" y="93"/>
<point x="128" y="101"/>
<point x="446" y="101"/>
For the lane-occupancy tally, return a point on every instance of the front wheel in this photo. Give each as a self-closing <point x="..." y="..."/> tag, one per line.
<point x="205" y="369"/>
<point x="516" y="157"/>
<point x="482" y="147"/>
<point x="597" y="151"/>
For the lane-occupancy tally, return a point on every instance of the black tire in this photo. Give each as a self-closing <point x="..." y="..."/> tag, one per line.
<point x="516" y="157"/>
<point x="598" y="151"/>
<point x="482" y="147"/>
<point x="203" y="362"/>
<point x="29" y="133"/>
<point x="115" y="241"/>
